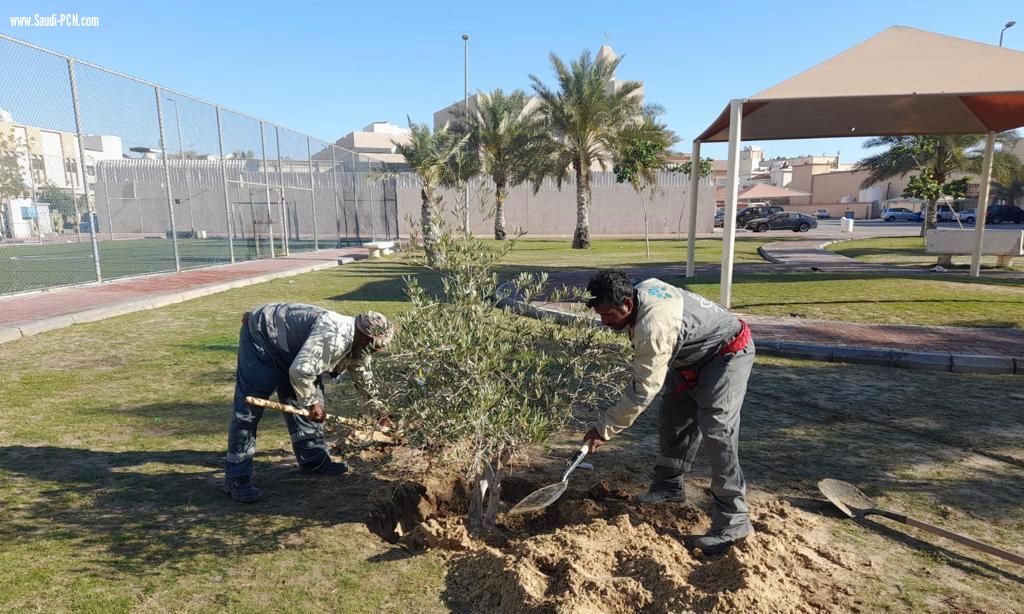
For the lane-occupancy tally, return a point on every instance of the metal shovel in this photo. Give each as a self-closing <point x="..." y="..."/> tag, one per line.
<point x="543" y="497"/>
<point x="856" y="504"/>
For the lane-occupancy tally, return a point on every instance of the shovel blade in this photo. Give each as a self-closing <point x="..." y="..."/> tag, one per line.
<point x="846" y="497"/>
<point x="539" y="499"/>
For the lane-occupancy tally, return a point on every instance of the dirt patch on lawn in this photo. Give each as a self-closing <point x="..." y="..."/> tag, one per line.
<point x="593" y="551"/>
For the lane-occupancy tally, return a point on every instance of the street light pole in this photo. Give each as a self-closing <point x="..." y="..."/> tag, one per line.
<point x="465" y="107"/>
<point x="1009" y="24"/>
<point x="181" y="156"/>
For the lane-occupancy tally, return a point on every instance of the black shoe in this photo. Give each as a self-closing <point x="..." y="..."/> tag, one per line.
<point x="718" y="541"/>
<point x="654" y="497"/>
<point x="241" y="489"/>
<point x="325" y="467"/>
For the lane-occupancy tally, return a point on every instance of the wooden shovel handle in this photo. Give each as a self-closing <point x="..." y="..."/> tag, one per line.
<point x="960" y="539"/>
<point x="298" y="411"/>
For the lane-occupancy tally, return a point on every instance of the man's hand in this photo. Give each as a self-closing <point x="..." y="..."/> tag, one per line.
<point x="317" y="413"/>
<point x="594" y="439"/>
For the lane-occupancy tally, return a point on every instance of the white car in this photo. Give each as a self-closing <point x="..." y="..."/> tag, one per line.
<point x="897" y="213"/>
<point x="945" y="214"/>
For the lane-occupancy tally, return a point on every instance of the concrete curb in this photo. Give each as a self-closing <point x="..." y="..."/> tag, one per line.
<point x="884" y="357"/>
<point x="12" y="333"/>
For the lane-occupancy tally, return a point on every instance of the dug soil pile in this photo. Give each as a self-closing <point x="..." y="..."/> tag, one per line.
<point x="594" y="552"/>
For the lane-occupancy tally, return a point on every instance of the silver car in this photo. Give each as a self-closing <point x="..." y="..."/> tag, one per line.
<point x="897" y="213"/>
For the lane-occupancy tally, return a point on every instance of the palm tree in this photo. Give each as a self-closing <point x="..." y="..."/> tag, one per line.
<point x="584" y="118"/>
<point x="640" y="154"/>
<point x="430" y="156"/>
<point x="509" y="141"/>
<point x="938" y="155"/>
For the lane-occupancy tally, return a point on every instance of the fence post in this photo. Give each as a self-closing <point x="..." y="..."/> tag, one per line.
<point x="337" y="207"/>
<point x="224" y="184"/>
<point x="286" y="237"/>
<point x="312" y="195"/>
<point x="355" y="197"/>
<point x="266" y="185"/>
<point x="89" y="208"/>
<point x="106" y="199"/>
<point x="167" y="178"/>
<point x="373" y="215"/>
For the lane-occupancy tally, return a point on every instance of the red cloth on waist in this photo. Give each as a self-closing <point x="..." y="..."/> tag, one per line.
<point x="690" y="376"/>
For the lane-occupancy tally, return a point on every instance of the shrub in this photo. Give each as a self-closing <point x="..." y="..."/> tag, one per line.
<point x="474" y="385"/>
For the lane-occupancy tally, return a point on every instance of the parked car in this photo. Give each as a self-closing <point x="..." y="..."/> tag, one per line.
<point x="784" y="220"/>
<point x="753" y="212"/>
<point x="823" y="214"/>
<point x="997" y="214"/>
<point x="945" y="213"/>
<point x="968" y="216"/>
<point x="897" y="213"/>
<point x="719" y="218"/>
<point x="916" y="217"/>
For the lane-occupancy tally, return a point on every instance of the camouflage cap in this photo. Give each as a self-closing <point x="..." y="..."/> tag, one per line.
<point x="375" y="326"/>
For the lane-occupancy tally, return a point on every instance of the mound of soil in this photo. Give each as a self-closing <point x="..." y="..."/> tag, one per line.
<point x="594" y="552"/>
<point x="635" y="562"/>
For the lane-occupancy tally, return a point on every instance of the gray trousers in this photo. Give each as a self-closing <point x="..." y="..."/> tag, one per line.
<point x="259" y="375"/>
<point x="710" y="411"/>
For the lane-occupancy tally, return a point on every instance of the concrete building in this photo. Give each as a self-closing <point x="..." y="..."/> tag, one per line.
<point x="376" y="141"/>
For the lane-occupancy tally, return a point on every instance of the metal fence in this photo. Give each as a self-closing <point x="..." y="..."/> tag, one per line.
<point x="168" y="182"/>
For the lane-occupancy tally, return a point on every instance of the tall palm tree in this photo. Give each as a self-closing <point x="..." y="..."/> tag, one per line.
<point x="939" y="155"/>
<point x="430" y="156"/>
<point x="584" y="117"/>
<point x="509" y="140"/>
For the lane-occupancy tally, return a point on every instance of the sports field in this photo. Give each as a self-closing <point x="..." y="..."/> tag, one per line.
<point x="25" y="266"/>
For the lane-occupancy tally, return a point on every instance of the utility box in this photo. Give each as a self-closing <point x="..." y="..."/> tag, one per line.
<point x="846" y="224"/>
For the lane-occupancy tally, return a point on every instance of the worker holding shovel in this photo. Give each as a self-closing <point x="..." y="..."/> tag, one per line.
<point x="700" y="355"/>
<point x="287" y="348"/>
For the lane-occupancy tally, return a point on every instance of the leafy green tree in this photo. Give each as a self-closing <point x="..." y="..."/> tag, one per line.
<point x="509" y="141"/>
<point x="584" y="116"/>
<point x="706" y="167"/>
<point x="935" y="158"/>
<point x="432" y="157"/>
<point x="12" y="183"/>
<point x="475" y="386"/>
<point x="641" y="154"/>
<point x="61" y="200"/>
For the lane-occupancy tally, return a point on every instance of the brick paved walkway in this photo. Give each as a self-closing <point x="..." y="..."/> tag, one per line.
<point x="27" y="314"/>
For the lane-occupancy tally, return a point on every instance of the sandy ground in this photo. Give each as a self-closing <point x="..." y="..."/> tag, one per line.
<point x="594" y="551"/>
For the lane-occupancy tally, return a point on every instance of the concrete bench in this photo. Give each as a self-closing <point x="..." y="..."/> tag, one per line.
<point x="380" y="248"/>
<point x="1005" y="245"/>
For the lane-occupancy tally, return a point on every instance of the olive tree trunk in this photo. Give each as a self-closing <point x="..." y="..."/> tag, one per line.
<point x="581" y="238"/>
<point x="485" y="496"/>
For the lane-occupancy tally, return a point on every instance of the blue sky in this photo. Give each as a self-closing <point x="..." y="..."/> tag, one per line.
<point x="326" y="68"/>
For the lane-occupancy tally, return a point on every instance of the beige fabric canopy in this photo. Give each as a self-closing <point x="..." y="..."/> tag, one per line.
<point x="900" y="81"/>
<point x="763" y="191"/>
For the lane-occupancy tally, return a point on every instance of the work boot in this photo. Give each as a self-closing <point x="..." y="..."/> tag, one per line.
<point x="325" y="467"/>
<point x="654" y="497"/>
<point x="241" y="489"/>
<point x="717" y="541"/>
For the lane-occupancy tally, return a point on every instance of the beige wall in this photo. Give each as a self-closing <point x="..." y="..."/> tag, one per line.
<point x="615" y="210"/>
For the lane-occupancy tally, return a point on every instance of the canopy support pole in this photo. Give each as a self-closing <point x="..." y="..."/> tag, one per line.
<point x="732" y="184"/>
<point x="691" y="202"/>
<point x="982" y="209"/>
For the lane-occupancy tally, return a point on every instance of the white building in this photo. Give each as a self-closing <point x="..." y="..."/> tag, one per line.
<point x="377" y="141"/>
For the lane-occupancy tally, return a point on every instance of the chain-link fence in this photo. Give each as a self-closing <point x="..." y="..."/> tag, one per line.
<point x="168" y="182"/>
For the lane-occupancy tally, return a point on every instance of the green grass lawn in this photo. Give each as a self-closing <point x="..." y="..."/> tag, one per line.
<point x="908" y="251"/>
<point x="875" y="298"/>
<point x="112" y="435"/>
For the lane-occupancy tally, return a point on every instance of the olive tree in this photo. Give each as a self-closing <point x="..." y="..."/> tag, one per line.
<point x="474" y="385"/>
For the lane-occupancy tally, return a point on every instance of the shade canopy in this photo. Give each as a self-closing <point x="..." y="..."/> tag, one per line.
<point x="902" y="81"/>
<point x="763" y="191"/>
